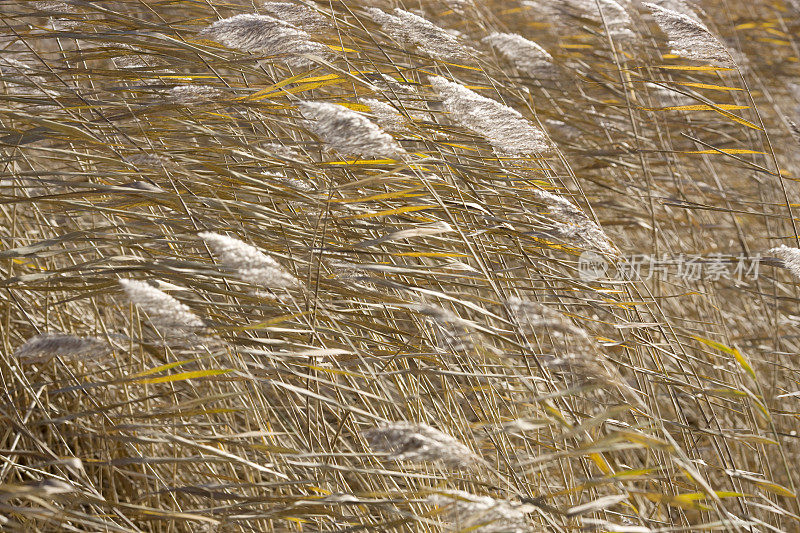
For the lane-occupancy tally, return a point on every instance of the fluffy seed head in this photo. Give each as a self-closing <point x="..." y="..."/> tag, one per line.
<point x="506" y="129"/>
<point x="532" y="316"/>
<point x="248" y="262"/>
<point x="484" y="514"/>
<point x="526" y="55"/>
<point x="19" y="78"/>
<point x="564" y="12"/>
<point x="452" y="331"/>
<point x="690" y="38"/>
<point x="188" y="94"/>
<point x="265" y="35"/>
<point x="617" y="20"/>
<point x="386" y="116"/>
<point x="42" y="348"/>
<point x="573" y="354"/>
<point x="409" y="29"/>
<point x="573" y="224"/>
<point x="164" y="311"/>
<point x="681" y="6"/>
<point x="406" y="441"/>
<point x="349" y="132"/>
<point x="297" y="15"/>
<point x="790" y="257"/>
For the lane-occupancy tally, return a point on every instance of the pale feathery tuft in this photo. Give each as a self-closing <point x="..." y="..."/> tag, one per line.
<point x="532" y="316"/>
<point x="505" y="128"/>
<point x="680" y="6"/>
<point x="20" y="79"/>
<point x="452" y="331"/>
<point x="266" y="35"/>
<point x="349" y="132"/>
<point x="406" y="441"/>
<point x="597" y="524"/>
<point x="459" y="6"/>
<point x="248" y="262"/>
<point x="55" y="8"/>
<point x="42" y="348"/>
<point x="294" y="183"/>
<point x="618" y="22"/>
<point x="297" y="15"/>
<point x="573" y="224"/>
<point x="790" y="257"/>
<point x="574" y="355"/>
<point x="385" y="115"/>
<point x="667" y="96"/>
<point x="147" y="160"/>
<point x="282" y="151"/>
<point x="137" y="58"/>
<point x="690" y="38"/>
<point x="412" y="30"/>
<point x="482" y="514"/>
<point x="190" y="94"/>
<point x="165" y="312"/>
<point x="527" y="56"/>
<point x="794" y="129"/>
<point x="564" y="12"/>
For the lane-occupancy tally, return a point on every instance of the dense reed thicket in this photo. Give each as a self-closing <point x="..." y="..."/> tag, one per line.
<point x="450" y="265"/>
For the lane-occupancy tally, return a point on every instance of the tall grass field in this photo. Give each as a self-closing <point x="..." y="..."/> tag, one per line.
<point x="475" y="266"/>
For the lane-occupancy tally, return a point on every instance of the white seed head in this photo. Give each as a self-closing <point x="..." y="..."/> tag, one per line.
<point x="405" y="441"/>
<point x="349" y="132"/>
<point x="20" y="79"/>
<point x="189" y="94"/>
<point x="681" y="6"/>
<point x="385" y="115"/>
<point x="409" y="29"/>
<point x="573" y="224"/>
<point x="527" y="56"/>
<point x="164" y="311"/>
<point x="506" y="129"/>
<point x="790" y="257"/>
<point x="138" y="58"/>
<point x="532" y="316"/>
<point x="563" y="13"/>
<point x="248" y="262"/>
<point x="282" y="151"/>
<point x="42" y="348"/>
<point x="266" y="35"/>
<point x="573" y="353"/>
<point x="618" y="22"/>
<point x="690" y="38"/>
<point x="452" y="331"/>
<point x="483" y="514"/>
<point x="297" y="15"/>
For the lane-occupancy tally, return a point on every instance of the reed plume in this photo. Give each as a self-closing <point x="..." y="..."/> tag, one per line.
<point x="249" y="263"/>
<point x="527" y="56"/>
<point x="412" y="30"/>
<point x="165" y="312"/>
<point x="263" y="34"/>
<point x="690" y="38"/>
<point x="298" y="15"/>
<point x="405" y="441"/>
<point x="349" y="132"/>
<point x="470" y="512"/>
<point x="790" y="257"/>
<point x="42" y="348"/>
<point x="503" y="127"/>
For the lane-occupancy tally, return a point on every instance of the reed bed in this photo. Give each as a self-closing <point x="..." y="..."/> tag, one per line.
<point x="450" y="265"/>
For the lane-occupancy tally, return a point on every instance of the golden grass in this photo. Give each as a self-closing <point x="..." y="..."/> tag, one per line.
<point x="439" y="285"/>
